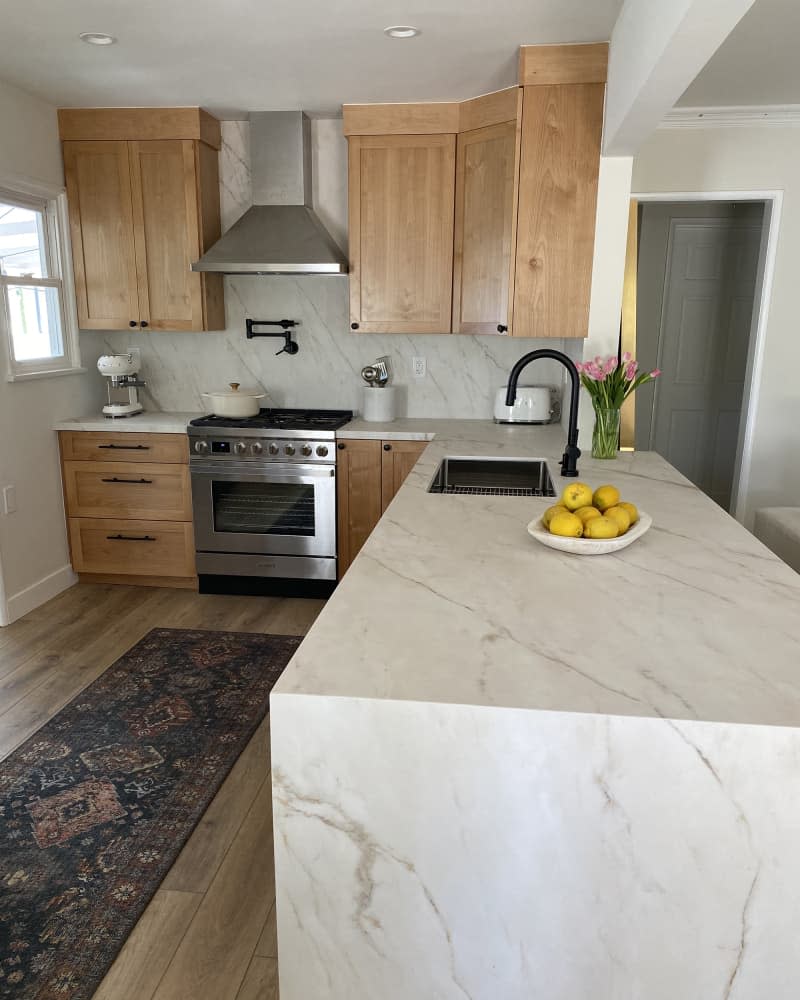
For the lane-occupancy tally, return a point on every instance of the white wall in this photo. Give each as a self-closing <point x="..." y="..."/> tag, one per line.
<point x="34" y="560"/>
<point x="750" y="159"/>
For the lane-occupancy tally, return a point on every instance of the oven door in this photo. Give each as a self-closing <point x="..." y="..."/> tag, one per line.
<point x="278" y="510"/>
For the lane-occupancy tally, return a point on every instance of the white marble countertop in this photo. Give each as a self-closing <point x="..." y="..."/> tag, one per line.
<point x="147" y="422"/>
<point x="451" y="601"/>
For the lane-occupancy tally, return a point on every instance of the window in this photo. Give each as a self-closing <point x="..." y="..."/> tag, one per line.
<point x="36" y="306"/>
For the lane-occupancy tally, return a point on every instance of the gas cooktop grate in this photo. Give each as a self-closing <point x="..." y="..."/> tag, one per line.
<point x="496" y="491"/>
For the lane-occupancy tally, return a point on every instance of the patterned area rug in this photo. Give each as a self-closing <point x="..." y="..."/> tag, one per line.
<point x="96" y="806"/>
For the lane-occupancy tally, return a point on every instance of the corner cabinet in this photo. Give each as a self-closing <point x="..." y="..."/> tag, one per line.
<point x="143" y="205"/>
<point x="369" y="474"/>
<point x="401" y="190"/>
<point x="478" y="217"/>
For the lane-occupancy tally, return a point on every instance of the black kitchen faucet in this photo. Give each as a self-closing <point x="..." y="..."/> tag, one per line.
<point x="569" y="466"/>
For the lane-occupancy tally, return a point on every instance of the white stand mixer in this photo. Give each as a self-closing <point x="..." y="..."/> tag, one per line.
<point x="122" y="376"/>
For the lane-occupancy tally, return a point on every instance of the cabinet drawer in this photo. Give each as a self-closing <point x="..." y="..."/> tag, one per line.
<point x="135" y="490"/>
<point x="124" y="446"/>
<point x="137" y="548"/>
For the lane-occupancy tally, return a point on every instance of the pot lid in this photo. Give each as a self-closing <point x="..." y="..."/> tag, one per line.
<point x="237" y="392"/>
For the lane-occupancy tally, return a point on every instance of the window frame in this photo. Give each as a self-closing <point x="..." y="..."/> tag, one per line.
<point x="52" y="202"/>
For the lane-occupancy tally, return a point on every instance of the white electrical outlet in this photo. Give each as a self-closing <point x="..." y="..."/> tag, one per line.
<point x="418" y="367"/>
<point x="9" y="499"/>
<point x="136" y="356"/>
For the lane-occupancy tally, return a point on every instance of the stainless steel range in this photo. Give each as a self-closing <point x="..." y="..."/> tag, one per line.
<point x="264" y="496"/>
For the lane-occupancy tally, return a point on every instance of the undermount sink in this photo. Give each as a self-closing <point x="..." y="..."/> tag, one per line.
<point x="517" y="477"/>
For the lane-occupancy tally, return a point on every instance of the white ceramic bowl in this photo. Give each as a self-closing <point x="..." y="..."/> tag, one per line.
<point x="590" y="546"/>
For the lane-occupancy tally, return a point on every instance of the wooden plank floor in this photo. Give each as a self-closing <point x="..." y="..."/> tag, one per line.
<point x="209" y="931"/>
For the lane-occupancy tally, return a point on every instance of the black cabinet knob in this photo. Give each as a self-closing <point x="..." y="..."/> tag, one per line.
<point x="144" y="323"/>
<point x="354" y="326"/>
<point x="502" y="328"/>
<point x="340" y="446"/>
<point x="387" y="447"/>
<point x="132" y="323"/>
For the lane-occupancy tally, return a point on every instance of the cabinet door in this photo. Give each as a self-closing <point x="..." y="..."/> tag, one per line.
<point x="101" y="226"/>
<point x="398" y="459"/>
<point x="358" y="468"/>
<point x="559" y="164"/>
<point x="485" y="228"/>
<point x="167" y="233"/>
<point x="401" y="190"/>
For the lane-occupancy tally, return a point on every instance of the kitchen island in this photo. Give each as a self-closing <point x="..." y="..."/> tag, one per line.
<point x="500" y="771"/>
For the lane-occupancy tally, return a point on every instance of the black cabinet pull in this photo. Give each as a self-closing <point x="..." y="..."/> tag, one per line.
<point x="125" y="447"/>
<point x="387" y="447"/>
<point x="354" y="326"/>
<point x="144" y="323"/>
<point x="116" y="479"/>
<point x="132" y="323"/>
<point x="130" y="538"/>
<point x="502" y="328"/>
<point x="340" y="446"/>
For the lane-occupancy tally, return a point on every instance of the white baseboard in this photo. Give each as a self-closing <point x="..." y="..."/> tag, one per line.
<point x="32" y="597"/>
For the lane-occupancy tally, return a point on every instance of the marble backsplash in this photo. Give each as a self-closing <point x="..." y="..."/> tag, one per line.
<point x="463" y="372"/>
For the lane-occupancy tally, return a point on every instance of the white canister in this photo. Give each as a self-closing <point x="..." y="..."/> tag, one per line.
<point x="379" y="403"/>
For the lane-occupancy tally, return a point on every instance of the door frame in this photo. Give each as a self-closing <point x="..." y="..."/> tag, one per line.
<point x="765" y="273"/>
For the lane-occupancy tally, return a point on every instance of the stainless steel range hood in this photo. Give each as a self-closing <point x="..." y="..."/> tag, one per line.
<point x="280" y="234"/>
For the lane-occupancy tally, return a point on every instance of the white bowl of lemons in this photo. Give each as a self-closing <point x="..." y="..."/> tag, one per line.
<point x="590" y="522"/>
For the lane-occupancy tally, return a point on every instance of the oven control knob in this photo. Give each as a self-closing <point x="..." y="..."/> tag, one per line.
<point x="322" y="450"/>
<point x="273" y="449"/>
<point x="256" y="448"/>
<point x="201" y="447"/>
<point x="306" y="449"/>
<point x="289" y="449"/>
<point x="239" y="448"/>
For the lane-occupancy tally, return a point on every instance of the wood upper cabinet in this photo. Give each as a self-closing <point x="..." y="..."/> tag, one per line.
<point x="98" y="176"/>
<point x="487" y="168"/>
<point x="560" y="160"/>
<point x="369" y="475"/>
<point x="141" y="211"/>
<point x="522" y="204"/>
<point x="401" y="190"/>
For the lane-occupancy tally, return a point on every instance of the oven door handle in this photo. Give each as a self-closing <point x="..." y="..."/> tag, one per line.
<point x="228" y="472"/>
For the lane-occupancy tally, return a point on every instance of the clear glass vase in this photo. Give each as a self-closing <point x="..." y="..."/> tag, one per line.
<point x="605" y="438"/>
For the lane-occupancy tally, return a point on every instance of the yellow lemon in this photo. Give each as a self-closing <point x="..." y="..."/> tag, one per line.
<point x="601" y="527"/>
<point x="551" y="512"/>
<point x="567" y="525"/>
<point x="621" y="516"/>
<point x="605" y="497"/>
<point x="633" y="513"/>
<point x="577" y="495"/>
<point x="587" y="513"/>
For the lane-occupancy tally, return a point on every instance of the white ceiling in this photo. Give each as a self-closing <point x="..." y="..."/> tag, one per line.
<point x="235" y="55"/>
<point x="758" y="63"/>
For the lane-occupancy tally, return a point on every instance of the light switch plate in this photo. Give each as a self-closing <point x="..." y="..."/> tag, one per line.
<point x="9" y="499"/>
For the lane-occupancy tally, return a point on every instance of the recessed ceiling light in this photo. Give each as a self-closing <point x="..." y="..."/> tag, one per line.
<point x="401" y="31"/>
<point x="96" y="38"/>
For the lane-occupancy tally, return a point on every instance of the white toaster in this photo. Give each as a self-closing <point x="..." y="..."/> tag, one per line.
<point x="535" y="404"/>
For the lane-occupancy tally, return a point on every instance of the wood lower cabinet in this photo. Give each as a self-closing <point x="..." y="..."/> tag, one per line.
<point x="142" y="209"/>
<point x="369" y="474"/>
<point x="129" y="509"/>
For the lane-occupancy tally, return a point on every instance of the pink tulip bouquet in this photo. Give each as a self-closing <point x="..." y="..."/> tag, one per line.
<point x="609" y="382"/>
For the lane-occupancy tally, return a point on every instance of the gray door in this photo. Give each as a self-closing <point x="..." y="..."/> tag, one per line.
<point x="696" y="287"/>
